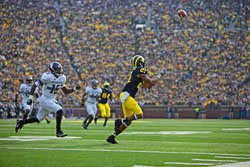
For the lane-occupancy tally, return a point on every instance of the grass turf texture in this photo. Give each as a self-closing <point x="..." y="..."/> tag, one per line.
<point x="91" y="149"/>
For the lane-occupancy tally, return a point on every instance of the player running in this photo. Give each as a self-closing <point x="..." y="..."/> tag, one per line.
<point x="130" y="107"/>
<point x="104" y="105"/>
<point x="92" y="94"/>
<point x="24" y="90"/>
<point x="51" y="82"/>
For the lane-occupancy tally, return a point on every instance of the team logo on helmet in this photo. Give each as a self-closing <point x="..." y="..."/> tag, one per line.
<point x="138" y="60"/>
<point x="56" y="69"/>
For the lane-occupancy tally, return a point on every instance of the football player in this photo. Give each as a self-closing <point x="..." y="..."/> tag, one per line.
<point x="130" y="107"/>
<point x="92" y="95"/>
<point x="51" y="82"/>
<point x="104" y="105"/>
<point x="25" y="91"/>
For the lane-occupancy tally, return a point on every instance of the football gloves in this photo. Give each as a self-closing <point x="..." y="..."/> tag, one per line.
<point x="29" y="101"/>
<point x="161" y="73"/>
<point x="77" y="87"/>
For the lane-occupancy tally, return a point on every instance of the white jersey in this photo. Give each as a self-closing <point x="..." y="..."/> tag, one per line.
<point x="51" y="84"/>
<point x="93" y="94"/>
<point x="25" y="91"/>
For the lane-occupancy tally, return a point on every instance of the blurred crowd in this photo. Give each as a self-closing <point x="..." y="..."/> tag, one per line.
<point x="206" y="53"/>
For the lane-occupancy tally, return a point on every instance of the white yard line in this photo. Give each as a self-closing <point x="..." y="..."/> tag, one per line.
<point x="128" y="141"/>
<point x="132" y="151"/>
<point x="167" y="133"/>
<point x="232" y="129"/>
<point x="239" y="164"/>
<point x="192" y="164"/>
<point x="142" y="166"/>
<point x="233" y="157"/>
<point x="213" y="160"/>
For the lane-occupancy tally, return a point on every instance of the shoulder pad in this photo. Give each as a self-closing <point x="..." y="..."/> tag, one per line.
<point x="63" y="78"/>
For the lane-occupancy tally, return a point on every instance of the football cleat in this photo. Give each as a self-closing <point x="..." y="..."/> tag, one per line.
<point x="85" y="126"/>
<point x="19" y="125"/>
<point x="118" y="123"/>
<point x="61" y="134"/>
<point x="111" y="139"/>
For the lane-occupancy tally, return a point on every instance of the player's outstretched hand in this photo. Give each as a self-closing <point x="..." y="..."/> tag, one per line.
<point x="161" y="72"/>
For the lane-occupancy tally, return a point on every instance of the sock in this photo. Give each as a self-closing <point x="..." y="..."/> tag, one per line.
<point x="85" y="121"/>
<point x="125" y="120"/>
<point x="31" y="120"/>
<point x="117" y="133"/>
<point x="58" y="120"/>
<point x="105" y="121"/>
<point x="88" y="123"/>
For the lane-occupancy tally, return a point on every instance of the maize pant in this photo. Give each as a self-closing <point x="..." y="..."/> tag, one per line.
<point x="130" y="106"/>
<point x="104" y="109"/>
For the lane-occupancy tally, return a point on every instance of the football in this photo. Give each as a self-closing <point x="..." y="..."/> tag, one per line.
<point x="182" y="13"/>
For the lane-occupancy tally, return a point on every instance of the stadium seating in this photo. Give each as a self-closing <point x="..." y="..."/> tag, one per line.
<point x="206" y="53"/>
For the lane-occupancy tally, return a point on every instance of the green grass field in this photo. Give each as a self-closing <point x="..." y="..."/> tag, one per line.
<point x="147" y="142"/>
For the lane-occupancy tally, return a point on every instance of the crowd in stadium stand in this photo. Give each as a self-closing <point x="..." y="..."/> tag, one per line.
<point x="206" y="53"/>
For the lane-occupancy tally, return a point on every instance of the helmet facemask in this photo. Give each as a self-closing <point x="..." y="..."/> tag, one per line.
<point x="106" y="85"/>
<point x="56" y="69"/>
<point x="29" y="81"/>
<point x="94" y="84"/>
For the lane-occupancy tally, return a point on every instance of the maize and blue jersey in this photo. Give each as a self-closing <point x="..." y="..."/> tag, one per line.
<point x="106" y="94"/>
<point x="134" y="82"/>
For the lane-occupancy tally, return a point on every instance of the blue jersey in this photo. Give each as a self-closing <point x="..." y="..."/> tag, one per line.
<point x="106" y="94"/>
<point x="134" y="82"/>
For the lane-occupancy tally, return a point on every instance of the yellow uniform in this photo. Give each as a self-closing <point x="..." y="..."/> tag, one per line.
<point x="103" y="103"/>
<point x="130" y="106"/>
